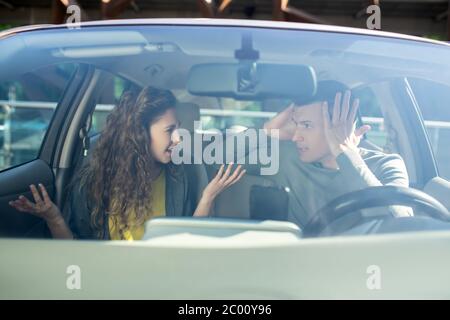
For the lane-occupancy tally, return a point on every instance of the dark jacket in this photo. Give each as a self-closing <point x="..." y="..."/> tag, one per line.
<point x="179" y="202"/>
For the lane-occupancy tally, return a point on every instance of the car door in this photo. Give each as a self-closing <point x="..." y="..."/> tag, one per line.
<point x="432" y="98"/>
<point x="37" y="97"/>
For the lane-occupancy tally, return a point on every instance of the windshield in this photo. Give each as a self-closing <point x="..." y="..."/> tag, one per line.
<point x="311" y="116"/>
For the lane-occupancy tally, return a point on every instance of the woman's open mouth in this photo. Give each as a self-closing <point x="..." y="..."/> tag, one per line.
<point x="169" y="151"/>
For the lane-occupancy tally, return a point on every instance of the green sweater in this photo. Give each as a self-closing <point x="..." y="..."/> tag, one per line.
<point x="311" y="186"/>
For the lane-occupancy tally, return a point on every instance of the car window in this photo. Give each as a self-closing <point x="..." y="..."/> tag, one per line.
<point x="108" y="97"/>
<point x="27" y="104"/>
<point x="433" y="100"/>
<point x="226" y="113"/>
<point x="370" y="113"/>
<point x="238" y="82"/>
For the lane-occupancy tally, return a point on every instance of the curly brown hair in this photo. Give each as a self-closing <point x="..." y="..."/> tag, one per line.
<point x="119" y="176"/>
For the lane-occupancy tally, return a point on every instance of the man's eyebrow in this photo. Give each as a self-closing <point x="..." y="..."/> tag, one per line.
<point x="300" y="120"/>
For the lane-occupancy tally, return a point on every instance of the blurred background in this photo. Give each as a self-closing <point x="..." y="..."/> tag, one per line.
<point x="425" y="18"/>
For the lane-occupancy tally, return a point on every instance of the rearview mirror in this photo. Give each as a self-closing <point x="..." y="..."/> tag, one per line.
<point x="253" y="81"/>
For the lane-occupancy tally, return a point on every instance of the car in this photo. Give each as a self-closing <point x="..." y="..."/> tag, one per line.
<point x="59" y="83"/>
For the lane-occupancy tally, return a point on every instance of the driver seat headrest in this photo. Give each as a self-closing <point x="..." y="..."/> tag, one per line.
<point x="187" y="113"/>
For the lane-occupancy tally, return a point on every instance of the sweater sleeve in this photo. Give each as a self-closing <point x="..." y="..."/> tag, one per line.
<point x="389" y="170"/>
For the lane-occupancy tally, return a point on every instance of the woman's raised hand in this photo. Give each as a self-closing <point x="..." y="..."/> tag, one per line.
<point x="223" y="179"/>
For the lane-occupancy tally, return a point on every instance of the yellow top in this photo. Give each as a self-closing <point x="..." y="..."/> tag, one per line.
<point x="136" y="232"/>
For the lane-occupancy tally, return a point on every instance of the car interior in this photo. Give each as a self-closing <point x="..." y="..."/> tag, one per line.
<point x="236" y="202"/>
<point x="186" y="70"/>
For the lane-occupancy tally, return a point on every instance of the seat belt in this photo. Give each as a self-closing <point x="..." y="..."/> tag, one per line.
<point x="84" y="135"/>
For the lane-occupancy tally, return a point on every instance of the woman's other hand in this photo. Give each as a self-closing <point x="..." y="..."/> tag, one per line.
<point x="43" y="207"/>
<point x="222" y="180"/>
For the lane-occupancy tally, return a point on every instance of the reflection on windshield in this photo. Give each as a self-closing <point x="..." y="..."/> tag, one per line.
<point x="298" y="119"/>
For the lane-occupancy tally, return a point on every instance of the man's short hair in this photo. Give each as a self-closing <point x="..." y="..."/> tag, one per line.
<point x="327" y="90"/>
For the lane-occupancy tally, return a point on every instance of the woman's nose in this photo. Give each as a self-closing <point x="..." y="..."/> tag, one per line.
<point x="176" y="138"/>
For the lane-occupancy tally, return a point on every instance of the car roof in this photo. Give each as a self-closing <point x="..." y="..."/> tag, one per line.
<point x="226" y="23"/>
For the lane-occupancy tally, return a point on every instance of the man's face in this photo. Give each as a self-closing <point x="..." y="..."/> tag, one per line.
<point x="309" y="134"/>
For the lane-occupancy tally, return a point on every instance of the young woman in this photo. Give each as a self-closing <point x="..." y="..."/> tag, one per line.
<point x="130" y="177"/>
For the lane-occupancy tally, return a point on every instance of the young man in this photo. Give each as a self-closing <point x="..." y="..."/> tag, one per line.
<point x="322" y="160"/>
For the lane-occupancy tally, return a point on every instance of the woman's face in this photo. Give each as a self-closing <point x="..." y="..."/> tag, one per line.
<point x="164" y="136"/>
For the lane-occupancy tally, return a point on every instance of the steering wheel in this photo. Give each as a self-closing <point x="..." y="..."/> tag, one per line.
<point x="374" y="197"/>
